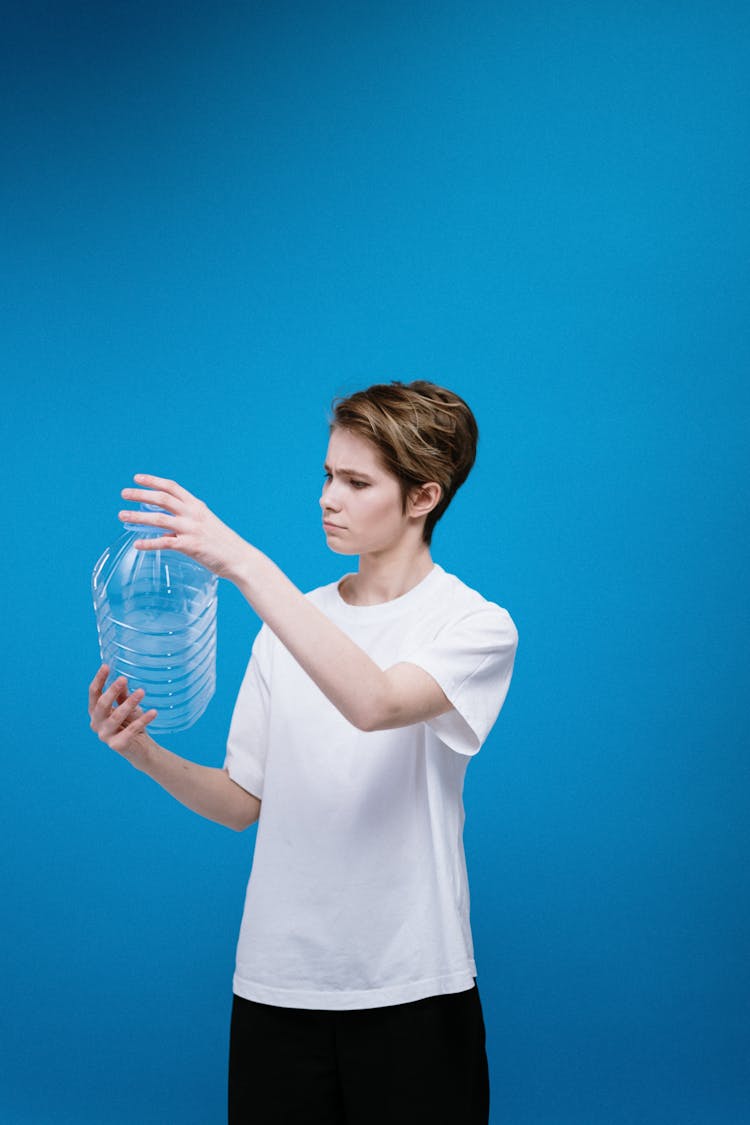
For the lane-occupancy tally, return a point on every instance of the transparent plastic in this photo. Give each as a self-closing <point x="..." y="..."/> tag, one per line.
<point x="156" y="619"/>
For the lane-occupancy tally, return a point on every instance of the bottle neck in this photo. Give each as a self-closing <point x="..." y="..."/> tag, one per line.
<point x="145" y="532"/>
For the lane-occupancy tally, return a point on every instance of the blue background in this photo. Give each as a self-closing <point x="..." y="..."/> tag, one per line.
<point x="214" y="219"/>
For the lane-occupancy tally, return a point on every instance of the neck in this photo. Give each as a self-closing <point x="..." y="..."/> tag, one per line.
<point x="381" y="579"/>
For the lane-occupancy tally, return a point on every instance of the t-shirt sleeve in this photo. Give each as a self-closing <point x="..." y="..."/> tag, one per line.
<point x="247" y="741"/>
<point x="472" y="660"/>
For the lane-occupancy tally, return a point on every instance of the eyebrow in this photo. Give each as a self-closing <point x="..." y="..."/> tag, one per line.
<point x="349" y="472"/>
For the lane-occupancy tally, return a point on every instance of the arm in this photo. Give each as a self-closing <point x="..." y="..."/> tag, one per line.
<point x="117" y="719"/>
<point x="368" y="696"/>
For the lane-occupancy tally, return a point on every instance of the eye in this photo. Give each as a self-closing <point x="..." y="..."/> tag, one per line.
<point x="327" y="477"/>
<point x="358" y="484"/>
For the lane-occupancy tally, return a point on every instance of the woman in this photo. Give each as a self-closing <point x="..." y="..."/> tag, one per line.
<point x="355" y="997"/>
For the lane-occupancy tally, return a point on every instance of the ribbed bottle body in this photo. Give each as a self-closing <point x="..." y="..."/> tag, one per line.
<point x="156" y="619"/>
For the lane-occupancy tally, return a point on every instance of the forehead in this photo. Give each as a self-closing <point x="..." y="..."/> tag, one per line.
<point x="353" y="452"/>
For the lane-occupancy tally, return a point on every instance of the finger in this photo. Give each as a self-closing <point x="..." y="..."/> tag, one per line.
<point x="122" y="715"/>
<point x="121" y="695"/>
<point x="123" y="741"/>
<point x="142" y="720"/>
<point x="107" y="700"/>
<point x="165" y="543"/>
<point x="123" y="738"/>
<point x="165" y="485"/>
<point x="149" y="519"/>
<point x="96" y="685"/>
<point x="149" y="496"/>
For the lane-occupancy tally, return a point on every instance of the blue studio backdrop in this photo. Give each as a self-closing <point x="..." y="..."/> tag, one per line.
<point x="216" y="217"/>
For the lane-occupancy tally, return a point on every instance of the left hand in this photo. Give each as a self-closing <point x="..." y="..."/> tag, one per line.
<point x="189" y="527"/>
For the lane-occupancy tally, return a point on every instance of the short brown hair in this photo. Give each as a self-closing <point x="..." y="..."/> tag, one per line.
<point x="422" y="432"/>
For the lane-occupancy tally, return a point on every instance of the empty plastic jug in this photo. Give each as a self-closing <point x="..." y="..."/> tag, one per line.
<point x="156" y="619"/>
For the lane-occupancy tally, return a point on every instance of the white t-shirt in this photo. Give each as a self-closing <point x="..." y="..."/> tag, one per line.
<point x="358" y="895"/>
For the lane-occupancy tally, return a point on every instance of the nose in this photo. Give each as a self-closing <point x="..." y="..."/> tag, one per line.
<point x="328" y="500"/>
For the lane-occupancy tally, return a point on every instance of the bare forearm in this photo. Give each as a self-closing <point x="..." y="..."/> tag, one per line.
<point x="368" y="696"/>
<point x="208" y="791"/>
<point x="345" y="674"/>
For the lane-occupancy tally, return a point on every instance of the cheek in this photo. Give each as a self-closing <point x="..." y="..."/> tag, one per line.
<point x="382" y="509"/>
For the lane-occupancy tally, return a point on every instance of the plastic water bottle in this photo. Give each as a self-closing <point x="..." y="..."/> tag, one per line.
<point x="156" y="619"/>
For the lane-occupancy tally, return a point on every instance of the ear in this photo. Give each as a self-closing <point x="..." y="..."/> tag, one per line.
<point x="424" y="498"/>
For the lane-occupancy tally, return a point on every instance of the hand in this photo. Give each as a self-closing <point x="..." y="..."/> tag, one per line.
<point x="117" y="717"/>
<point x="188" y="525"/>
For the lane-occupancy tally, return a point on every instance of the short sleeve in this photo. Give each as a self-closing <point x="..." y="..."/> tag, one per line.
<point x="247" y="741"/>
<point x="472" y="661"/>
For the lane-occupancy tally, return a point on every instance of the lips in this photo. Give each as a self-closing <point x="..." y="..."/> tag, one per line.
<point x="331" y="526"/>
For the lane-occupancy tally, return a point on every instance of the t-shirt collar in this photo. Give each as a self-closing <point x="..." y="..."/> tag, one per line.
<point x="392" y="608"/>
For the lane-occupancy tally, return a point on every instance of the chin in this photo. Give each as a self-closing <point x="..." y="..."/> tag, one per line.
<point x="341" y="550"/>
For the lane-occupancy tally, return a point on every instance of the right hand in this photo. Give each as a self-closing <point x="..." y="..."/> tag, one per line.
<point x="117" y="717"/>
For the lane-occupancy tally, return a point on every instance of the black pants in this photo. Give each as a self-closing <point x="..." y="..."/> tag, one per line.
<point x="421" y="1063"/>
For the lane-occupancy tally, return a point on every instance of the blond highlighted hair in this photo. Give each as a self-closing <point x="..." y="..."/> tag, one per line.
<point x="422" y="432"/>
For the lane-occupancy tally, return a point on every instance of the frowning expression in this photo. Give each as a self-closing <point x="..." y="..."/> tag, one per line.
<point x="362" y="503"/>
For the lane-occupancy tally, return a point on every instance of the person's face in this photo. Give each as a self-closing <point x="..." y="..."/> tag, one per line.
<point x="361" y="500"/>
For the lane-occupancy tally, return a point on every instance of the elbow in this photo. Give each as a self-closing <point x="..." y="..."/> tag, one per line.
<point x="372" y="715"/>
<point x="241" y="825"/>
<point x="241" y="808"/>
<point x="371" y="704"/>
<point x="366" y="723"/>
<point x="247" y="816"/>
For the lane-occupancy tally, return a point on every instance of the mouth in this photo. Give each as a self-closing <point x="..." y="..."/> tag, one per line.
<point x="331" y="526"/>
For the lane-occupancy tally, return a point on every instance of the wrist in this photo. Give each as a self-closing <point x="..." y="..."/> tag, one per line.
<point x="243" y="568"/>
<point x="144" y="753"/>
